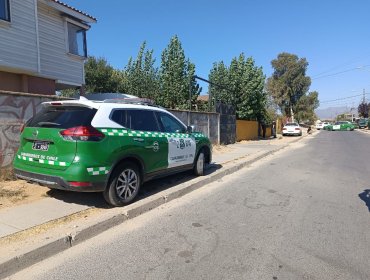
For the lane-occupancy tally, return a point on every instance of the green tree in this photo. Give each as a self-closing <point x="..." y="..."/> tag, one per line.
<point x="219" y="78"/>
<point x="306" y="106"/>
<point x="363" y="109"/>
<point x="176" y="76"/>
<point x="100" y="76"/>
<point x="142" y="78"/>
<point x="288" y="82"/>
<point x="242" y="85"/>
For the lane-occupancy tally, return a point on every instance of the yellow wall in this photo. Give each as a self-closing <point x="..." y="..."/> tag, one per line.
<point x="268" y="132"/>
<point x="246" y="130"/>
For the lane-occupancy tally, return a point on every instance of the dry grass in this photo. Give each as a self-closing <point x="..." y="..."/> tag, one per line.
<point x="12" y="194"/>
<point x="219" y="149"/>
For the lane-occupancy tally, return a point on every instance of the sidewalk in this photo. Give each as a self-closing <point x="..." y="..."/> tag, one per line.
<point x="20" y="223"/>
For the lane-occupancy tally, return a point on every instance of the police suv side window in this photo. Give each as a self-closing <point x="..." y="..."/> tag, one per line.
<point x="170" y="124"/>
<point x="119" y="116"/>
<point x="142" y="120"/>
<point x="136" y="119"/>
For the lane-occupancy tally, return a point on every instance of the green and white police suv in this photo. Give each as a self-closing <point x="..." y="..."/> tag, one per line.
<point x="110" y="146"/>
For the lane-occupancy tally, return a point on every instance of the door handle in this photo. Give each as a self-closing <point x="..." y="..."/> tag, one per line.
<point x="138" y="139"/>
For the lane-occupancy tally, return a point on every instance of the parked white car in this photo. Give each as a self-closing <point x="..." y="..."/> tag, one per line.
<point x="321" y="125"/>
<point x="292" y="129"/>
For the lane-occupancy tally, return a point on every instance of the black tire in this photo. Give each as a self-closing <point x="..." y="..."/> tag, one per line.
<point x="124" y="185"/>
<point x="199" y="163"/>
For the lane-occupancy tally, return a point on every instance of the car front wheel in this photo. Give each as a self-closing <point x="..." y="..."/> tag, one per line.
<point x="124" y="185"/>
<point x="199" y="164"/>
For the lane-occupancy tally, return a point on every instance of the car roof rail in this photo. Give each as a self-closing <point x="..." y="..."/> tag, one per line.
<point x="135" y="101"/>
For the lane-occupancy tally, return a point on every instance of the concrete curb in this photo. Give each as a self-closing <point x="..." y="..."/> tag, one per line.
<point x="117" y="216"/>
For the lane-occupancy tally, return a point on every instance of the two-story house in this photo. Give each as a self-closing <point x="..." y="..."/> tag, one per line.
<point x="42" y="46"/>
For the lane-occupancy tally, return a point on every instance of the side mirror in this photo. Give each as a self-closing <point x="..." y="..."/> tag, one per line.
<point x="190" y="128"/>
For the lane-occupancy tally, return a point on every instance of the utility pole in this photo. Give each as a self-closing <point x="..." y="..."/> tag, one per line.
<point x="291" y="112"/>
<point x="363" y="98"/>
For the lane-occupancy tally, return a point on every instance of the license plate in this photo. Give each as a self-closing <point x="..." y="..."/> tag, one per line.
<point x="41" y="146"/>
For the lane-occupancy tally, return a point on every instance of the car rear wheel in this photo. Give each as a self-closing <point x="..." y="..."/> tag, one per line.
<point x="199" y="164"/>
<point x="124" y="185"/>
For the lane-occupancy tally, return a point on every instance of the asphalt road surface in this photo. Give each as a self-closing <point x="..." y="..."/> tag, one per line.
<point x="303" y="213"/>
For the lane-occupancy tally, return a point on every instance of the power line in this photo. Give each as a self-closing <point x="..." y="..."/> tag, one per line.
<point x="355" y="60"/>
<point x="343" y="98"/>
<point x="341" y="72"/>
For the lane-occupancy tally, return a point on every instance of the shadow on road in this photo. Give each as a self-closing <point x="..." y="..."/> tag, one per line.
<point x="152" y="187"/>
<point x="365" y="196"/>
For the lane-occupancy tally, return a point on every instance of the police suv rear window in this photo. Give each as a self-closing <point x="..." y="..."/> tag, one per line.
<point x="62" y="117"/>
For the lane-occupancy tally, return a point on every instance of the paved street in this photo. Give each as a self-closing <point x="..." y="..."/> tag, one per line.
<point x="303" y="213"/>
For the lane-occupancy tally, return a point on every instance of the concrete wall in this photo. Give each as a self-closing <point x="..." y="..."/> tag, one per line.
<point x="207" y="123"/>
<point x="227" y="123"/>
<point x="246" y="130"/>
<point x="16" y="109"/>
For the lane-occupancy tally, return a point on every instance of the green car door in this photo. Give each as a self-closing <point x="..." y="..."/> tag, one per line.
<point x="181" y="144"/>
<point x="141" y="137"/>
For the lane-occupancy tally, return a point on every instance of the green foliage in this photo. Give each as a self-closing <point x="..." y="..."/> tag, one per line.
<point x="100" y="76"/>
<point x="141" y="77"/>
<point x="176" y="76"/>
<point x="241" y="85"/>
<point x="306" y="106"/>
<point x="70" y="92"/>
<point x="288" y="82"/>
<point x="219" y="76"/>
<point x="363" y="109"/>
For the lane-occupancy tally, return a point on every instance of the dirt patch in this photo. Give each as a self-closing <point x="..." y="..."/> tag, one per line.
<point x="221" y="149"/>
<point x="18" y="192"/>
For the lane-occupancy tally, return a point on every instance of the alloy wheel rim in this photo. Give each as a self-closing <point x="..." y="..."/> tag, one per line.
<point x="127" y="183"/>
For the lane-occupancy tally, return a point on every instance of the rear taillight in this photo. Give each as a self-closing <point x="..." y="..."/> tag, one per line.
<point x="297" y="128"/>
<point x="82" y="133"/>
<point x="284" y="128"/>
<point x="22" y="127"/>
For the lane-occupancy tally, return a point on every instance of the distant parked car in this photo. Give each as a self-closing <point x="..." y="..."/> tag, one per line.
<point x="362" y="123"/>
<point x="341" y="125"/>
<point x="292" y="129"/>
<point x="322" y="125"/>
<point x="355" y="124"/>
<point x="319" y="126"/>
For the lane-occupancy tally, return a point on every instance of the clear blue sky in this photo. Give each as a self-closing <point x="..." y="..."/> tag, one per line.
<point x="334" y="36"/>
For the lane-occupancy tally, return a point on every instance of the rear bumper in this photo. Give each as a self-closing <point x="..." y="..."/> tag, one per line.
<point x="292" y="133"/>
<point x="55" y="182"/>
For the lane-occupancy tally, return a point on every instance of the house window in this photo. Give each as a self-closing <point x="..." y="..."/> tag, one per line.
<point x="4" y="10"/>
<point x="76" y="40"/>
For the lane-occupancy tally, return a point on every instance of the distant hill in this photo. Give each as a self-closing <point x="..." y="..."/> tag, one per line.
<point x="332" y="112"/>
